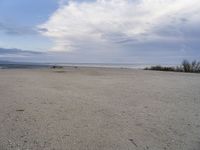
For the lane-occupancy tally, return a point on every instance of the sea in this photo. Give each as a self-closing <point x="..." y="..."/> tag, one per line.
<point x="17" y="65"/>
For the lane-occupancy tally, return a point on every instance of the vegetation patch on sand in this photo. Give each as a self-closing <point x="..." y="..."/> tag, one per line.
<point x="186" y="66"/>
<point x="58" y="69"/>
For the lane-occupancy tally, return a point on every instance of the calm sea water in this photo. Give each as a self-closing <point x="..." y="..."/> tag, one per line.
<point x="102" y="65"/>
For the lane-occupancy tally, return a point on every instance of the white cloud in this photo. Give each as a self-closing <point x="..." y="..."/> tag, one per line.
<point x="106" y="23"/>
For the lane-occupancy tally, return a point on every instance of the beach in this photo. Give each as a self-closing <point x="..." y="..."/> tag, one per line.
<point x="83" y="108"/>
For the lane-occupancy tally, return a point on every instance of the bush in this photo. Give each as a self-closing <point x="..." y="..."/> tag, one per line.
<point x="186" y="66"/>
<point x="191" y="67"/>
<point x="160" y="68"/>
<point x="56" y="67"/>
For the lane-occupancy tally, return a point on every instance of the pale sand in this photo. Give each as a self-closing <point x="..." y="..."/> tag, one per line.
<point x="99" y="109"/>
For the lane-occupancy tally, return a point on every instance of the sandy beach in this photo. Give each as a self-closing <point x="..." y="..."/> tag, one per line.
<point x="99" y="109"/>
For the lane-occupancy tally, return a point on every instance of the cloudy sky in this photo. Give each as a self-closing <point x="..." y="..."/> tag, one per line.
<point x="100" y="31"/>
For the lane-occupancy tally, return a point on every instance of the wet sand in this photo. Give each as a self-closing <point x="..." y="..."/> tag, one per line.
<point x="99" y="109"/>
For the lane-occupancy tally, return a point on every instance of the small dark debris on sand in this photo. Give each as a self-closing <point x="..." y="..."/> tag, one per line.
<point x="132" y="141"/>
<point x="20" y="110"/>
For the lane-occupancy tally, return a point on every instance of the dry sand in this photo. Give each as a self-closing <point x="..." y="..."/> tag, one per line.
<point x="99" y="109"/>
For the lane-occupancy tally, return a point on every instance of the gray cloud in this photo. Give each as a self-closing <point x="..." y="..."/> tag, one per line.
<point x="113" y="24"/>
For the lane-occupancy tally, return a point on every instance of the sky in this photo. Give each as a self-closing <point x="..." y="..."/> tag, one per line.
<point x="100" y="31"/>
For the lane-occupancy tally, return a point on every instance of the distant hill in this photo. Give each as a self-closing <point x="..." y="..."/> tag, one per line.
<point x="5" y="62"/>
<point x="17" y="51"/>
